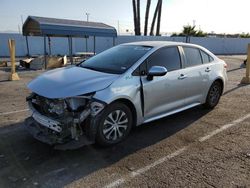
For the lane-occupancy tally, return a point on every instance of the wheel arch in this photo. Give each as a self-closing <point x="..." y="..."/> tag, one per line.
<point x="220" y="80"/>
<point x="131" y="106"/>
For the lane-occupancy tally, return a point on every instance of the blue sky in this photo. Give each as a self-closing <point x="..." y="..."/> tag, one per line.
<point x="221" y="16"/>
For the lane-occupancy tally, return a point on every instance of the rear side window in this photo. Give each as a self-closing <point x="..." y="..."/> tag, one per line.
<point x="193" y="56"/>
<point x="168" y="57"/>
<point x="205" y="57"/>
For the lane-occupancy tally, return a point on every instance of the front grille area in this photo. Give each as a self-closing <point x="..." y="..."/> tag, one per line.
<point x="53" y="120"/>
<point x="54" y="108"/>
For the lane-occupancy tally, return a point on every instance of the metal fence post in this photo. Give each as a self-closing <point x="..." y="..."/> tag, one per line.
<point x="94" y="45"/>
<point x="27" y="45"/>
<point x="246" y="79"/>
<point x="45" y="51"/>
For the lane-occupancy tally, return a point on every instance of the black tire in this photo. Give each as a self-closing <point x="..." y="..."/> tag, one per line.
<point x="104" y="124"/>
<point x="213" y="96"/>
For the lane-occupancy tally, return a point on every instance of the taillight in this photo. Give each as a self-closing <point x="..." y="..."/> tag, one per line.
<point x="225" y="65"/>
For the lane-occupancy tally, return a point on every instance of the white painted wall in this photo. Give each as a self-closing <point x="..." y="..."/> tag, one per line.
<point x="60" y="45"/>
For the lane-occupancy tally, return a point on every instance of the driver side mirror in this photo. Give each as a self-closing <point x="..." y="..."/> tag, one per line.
<point x="156" y="71"/>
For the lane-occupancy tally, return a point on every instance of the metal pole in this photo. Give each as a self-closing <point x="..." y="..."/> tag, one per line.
<point x="94" y="45"/>
<point x="45" y="51"/>
<point x="86" y="44"/>
<point x="69" y="44"/>
<point x="70" y="49"/>
<point x="49" y="40"/>
<point x="27" y="45"/>
<point x="71" y="56"/>
<point x="22" y="19"/>
<point x="87" y="14"/>
<point x="118" y="27"/>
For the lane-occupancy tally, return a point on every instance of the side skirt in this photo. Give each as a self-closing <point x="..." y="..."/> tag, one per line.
<point x="171" y="112"/>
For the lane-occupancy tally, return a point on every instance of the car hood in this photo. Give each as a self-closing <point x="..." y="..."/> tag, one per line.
<point x="70" y="81"/>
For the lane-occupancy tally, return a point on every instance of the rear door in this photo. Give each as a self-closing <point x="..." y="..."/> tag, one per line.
<point x="196" y="75"/>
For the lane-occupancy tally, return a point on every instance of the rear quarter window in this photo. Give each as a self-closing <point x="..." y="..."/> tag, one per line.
<point x="211" y="59"/>
<point x="205" y="57"/>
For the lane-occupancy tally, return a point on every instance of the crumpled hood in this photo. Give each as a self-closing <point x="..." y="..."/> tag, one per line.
<point x="69" y="82"/>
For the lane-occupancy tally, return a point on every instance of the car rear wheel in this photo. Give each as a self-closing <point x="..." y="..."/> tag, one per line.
<point x="115" y="123"/>
<point x="213" y="95"/>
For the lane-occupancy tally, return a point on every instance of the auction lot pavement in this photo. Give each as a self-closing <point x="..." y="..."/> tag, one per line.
<point x="194" y="148"/>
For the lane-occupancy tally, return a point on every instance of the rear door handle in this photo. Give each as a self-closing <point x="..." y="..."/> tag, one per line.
<point x="208" y="69"/>
<point x="182" y="76"/>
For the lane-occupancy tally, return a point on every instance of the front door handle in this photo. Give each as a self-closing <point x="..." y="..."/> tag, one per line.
<point x="182" y="76"/>
<point x="208" y="69"/>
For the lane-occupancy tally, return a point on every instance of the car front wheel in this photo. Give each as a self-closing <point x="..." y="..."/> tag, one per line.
<point x="114" y="124"/>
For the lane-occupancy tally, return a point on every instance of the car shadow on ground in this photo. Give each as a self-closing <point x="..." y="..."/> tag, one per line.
<point x="235" y="88"/>
<point x="26" y="162"/>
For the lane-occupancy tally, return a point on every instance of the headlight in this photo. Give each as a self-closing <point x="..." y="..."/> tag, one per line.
<point x="57" y="107"/>
<point x="75" y="103"/>
<point x="96" y="107"/>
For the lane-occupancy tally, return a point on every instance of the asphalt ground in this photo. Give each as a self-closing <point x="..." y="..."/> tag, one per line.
<point x="194" y="148"/>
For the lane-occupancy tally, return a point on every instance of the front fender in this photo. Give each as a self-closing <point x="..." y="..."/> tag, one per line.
<point x="124" y="89"/>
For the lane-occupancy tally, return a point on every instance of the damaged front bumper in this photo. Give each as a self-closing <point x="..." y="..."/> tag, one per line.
<point x="69" y="131"/>
<point x="39" y="133"/>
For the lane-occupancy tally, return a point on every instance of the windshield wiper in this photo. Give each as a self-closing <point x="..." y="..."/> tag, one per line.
<point x="102" y="70"/>
<point x="91" y="68"/>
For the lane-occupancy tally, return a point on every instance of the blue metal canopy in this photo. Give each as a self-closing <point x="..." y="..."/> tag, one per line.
<point x="41" y="26"/>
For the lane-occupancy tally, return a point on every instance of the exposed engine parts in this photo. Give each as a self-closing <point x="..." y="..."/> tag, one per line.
<point x="57" y="121"/>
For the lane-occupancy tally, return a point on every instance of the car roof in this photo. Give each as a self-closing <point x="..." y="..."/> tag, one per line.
<point x="161" y="43"/>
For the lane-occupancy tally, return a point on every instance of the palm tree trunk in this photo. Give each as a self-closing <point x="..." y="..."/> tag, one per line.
<point x="135" y="16"/>
<point x="138" y="18"/>
<point x="154" y="18"/>
<point x="146" y="17"/>
<point x="159" y="19"/>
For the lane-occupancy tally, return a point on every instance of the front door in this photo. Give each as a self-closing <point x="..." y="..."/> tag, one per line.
<point x="164" y="93"/>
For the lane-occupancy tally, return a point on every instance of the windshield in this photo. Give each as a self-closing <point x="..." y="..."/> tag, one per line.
<point x="116" y="60"/>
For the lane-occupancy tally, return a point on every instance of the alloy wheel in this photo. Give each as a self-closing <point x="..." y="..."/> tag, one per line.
<point x="115" y="125"/>
<point x="214" y="94"/>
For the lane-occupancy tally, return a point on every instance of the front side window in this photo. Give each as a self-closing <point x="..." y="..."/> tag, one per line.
<point x="167" y="57"/>
<point x="193" y="56"/>
<point x="116" y="60"/>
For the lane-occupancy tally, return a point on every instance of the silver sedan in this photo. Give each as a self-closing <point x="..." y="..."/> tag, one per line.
<point x="101" y="99"/>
